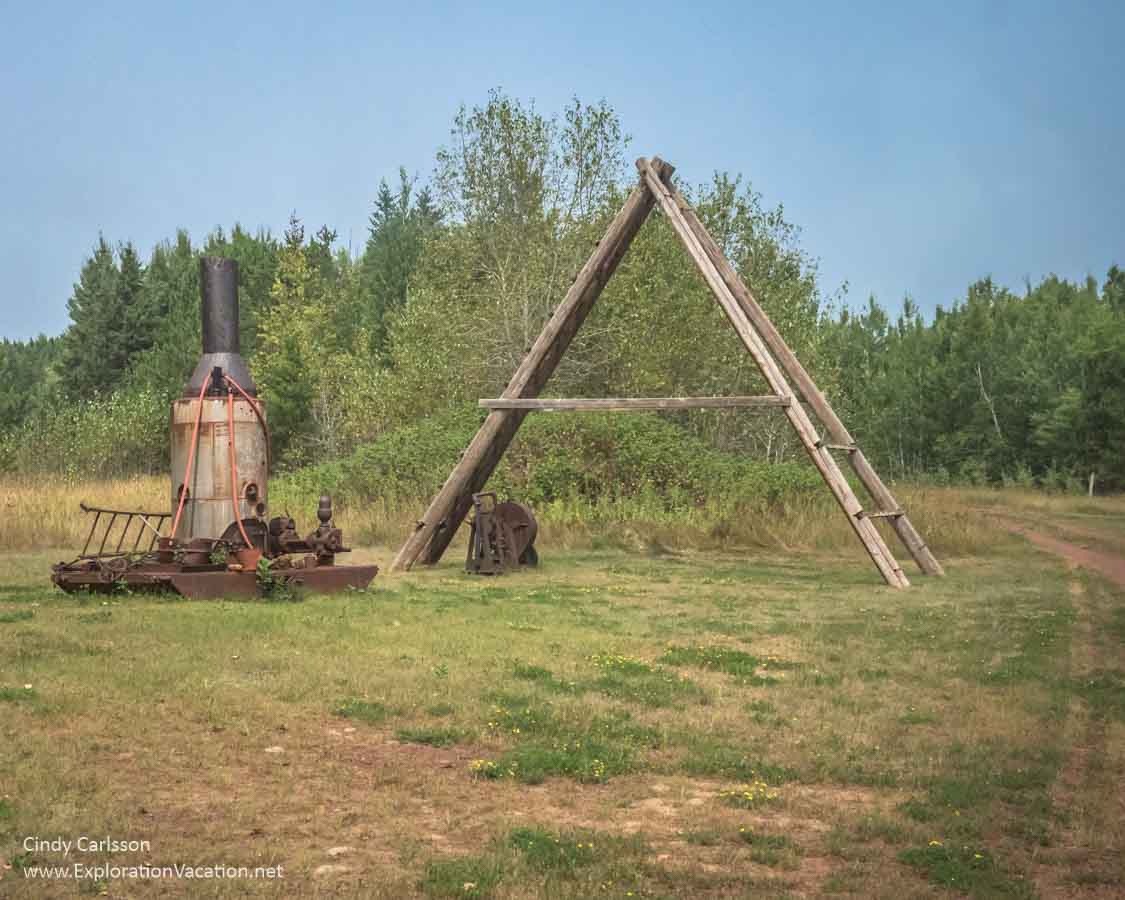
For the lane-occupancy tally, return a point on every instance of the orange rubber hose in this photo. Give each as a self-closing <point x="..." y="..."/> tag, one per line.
<point x="261" y="419"/>
<point x="191" y="456"/>
<point x="234" y="469"/>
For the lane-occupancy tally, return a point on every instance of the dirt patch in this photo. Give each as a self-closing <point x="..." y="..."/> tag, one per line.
<point x="1111" y="565"/>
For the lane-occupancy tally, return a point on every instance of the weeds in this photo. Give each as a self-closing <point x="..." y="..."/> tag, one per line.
<point x="24" y="694"/>
<point x="965" y="869"/>
<point x="434" y="737"/>
<point x="750" y="796"/>
<point x="1105" y="692"/>
<point x="547" y="851"/>
<point x="769" y="849"/>
<point x="362" y="711"/>
<point x="587" y="749"/>
<point x="711" y="759"/>
<point x="467" y="876"/>
<point x="707" y="837"/>
<point x="274" y="585"/>
<point x="718" y="659"/>
<point x="751" y="670"/>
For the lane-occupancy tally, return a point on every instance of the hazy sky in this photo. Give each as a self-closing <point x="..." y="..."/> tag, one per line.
<point x="919" y="146"/>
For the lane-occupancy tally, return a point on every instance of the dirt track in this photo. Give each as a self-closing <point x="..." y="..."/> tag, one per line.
<point x="1111" y="565"/>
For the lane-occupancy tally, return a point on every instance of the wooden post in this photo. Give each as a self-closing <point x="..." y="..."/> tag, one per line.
<point x="627" y="404"/>
<point x="808" y="389"/>
<point x="865" y="530"/>
<point x="448" y="508"/>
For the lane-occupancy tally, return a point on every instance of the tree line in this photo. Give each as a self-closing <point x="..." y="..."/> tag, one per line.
<point x="458" y="274"/>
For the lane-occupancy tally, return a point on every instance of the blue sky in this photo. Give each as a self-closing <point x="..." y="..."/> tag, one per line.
<point x="920" y="147"/>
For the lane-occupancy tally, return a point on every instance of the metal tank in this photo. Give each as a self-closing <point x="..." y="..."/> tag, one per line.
<point x="215" y="544"/>
<point x="209" y="507"/>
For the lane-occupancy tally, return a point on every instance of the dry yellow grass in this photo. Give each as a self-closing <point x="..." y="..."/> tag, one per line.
<point x="45" y="513"/>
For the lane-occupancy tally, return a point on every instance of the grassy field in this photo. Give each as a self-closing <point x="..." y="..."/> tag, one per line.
<point x="662" y="721"/>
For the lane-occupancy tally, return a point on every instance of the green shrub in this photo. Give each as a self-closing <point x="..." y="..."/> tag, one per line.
<point x="592" y="458"/>
<point x="125" y="433"/>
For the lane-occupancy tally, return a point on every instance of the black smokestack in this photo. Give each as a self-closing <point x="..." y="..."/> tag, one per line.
<point x="218" y="287"/>
<point x="218" y="282"/>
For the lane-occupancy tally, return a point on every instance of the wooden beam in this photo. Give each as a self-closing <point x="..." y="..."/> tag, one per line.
<point x="448" y="508"/>
<point x="865" y="530"/>
<point x="626" y="404"/>
<point x="808" y="389"/>
<point x="885" y="514"/>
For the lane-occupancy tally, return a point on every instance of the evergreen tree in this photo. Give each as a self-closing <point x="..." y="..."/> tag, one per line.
<point x="91" y="352"/>
<point x="139" y="321"/>
<point x="171" y="301"/>
<point x="397" y="231"/>
<point x="27" y="378"/>
<point x="294" y="343"/>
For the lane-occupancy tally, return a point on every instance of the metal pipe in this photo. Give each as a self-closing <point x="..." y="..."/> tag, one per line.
<point x="218" y="280"/>
<point x="218" y="288"/>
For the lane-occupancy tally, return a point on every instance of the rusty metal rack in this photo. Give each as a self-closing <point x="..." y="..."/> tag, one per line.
<point x="145" y="521"/>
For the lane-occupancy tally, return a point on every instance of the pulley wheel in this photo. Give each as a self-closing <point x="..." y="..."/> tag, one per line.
<point x="521" y="524"/>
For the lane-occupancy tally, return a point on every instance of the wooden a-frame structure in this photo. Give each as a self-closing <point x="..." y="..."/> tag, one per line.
<point x="778" y="364"/>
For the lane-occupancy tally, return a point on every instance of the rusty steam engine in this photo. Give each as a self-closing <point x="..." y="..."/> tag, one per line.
<point x="217" y="539"/>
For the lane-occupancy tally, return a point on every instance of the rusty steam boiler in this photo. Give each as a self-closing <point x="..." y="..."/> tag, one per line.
<point x="213" y="541"/>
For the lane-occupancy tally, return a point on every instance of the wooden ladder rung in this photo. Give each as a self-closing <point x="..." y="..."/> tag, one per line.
<point x="850" y="448"/>
<point x="885" y="513"/>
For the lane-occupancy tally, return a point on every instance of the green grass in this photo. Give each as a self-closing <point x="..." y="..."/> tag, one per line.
<point x="966" y="870"/>
<point x="880" y="828"/>
<point x="605" y="690"/>
<point x="622" y="678"/>
<point x="711" y="758"/>
<point x="914" y="716"/>
<point x="564" y="742"/>
<point x="769" y="849"/>
<point x="547" y="851"/>
<point x="434" y="737"/>
<point x="362" y="710"/>
<point x="719" y="659"/>
<point x="544" y="679"/>
<point x="1105" y="692"/>
<point x="18" y="695"/>
<point x="468" y="876"/>
<point x="754" y="795"/>
<point x="706" y="837"/>
<point x="569" y="863"/>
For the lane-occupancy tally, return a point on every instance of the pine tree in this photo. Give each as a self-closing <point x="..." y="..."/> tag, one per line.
<point x="88" y="362"/>
<point x="138" y="322"/>
<point x="397" y="230"/>
<point x="171" y="303"/>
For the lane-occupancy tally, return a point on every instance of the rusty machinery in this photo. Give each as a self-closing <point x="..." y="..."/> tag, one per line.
<point x="214" y="540"/>
<point x="501" y="536"/>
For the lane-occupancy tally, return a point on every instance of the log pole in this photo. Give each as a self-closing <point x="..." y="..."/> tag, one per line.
<point x="447" y="510"/>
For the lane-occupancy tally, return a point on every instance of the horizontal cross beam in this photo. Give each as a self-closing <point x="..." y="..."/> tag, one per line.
<point x="624" y="404"/>
<point x="885" y="514"/>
